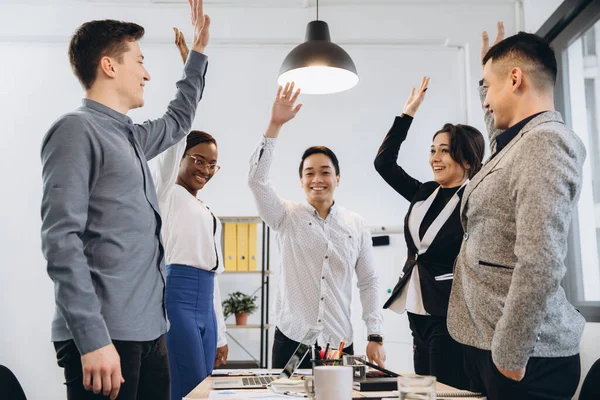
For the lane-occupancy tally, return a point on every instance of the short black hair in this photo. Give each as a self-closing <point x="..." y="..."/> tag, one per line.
<point x="96" y="39"/>
<point x="195" y="138"/>
<point x="320" y="150"/>
<point x="530" y="49"/>
<point x="466" y="145"/>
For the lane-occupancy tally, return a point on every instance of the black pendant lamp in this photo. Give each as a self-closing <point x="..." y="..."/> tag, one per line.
<point x="318" y="66"/>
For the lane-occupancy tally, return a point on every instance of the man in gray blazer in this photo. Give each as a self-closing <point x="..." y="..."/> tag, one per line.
<point x="507" y="307"/>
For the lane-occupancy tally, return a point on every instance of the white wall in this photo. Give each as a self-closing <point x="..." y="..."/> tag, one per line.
<point x="393" y="45"/>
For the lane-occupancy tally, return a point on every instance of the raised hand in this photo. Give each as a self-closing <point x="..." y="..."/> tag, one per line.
<point x="201" y="24"/>
<point x="181" y="44"/>
<point x="485" y="39"/>
<point x="283" y="107"/>
<point x="416" y="98"/>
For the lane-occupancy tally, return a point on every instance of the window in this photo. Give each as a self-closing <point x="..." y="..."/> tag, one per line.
<point x="577" y="98"/>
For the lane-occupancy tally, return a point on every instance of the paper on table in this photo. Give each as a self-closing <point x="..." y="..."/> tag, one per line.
<point x="245" y="394"/>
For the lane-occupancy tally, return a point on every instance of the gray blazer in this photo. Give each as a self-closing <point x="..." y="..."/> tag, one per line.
<point x="506" y="296"/>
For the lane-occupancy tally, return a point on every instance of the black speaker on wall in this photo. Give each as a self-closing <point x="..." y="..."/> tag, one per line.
<point x="381" y="240"/>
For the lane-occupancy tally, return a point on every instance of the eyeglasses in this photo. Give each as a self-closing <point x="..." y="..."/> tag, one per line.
<point x="202" y="164"/>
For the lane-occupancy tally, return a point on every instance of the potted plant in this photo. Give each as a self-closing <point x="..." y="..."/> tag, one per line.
<point x="241" y="305"/>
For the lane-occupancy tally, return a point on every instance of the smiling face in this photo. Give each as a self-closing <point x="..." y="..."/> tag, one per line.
<point x="131" y="76"/>
<point x="501" y="98"/>
<point x="193" y="177"/>
<point x="319" y="179"/>
<point x="446" y="171"/>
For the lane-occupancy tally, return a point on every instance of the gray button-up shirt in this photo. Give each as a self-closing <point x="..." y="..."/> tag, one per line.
<point x="100" y="218"/>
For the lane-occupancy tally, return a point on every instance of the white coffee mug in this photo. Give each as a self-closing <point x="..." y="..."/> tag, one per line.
<point x="330" y="383"/>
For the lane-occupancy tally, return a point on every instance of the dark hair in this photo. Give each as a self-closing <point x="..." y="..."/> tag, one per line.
<point x="466" y="146"/>
<point x="96" y="39"/>
<point x="194" y="138"/>
<point x="530" y="49"/>
<point x="320" y="150"/>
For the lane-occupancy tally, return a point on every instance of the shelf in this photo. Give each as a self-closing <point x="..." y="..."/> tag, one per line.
<point x="248" y="272"/>
<point x="249" y="326"/>
<point x="241" y="219"/>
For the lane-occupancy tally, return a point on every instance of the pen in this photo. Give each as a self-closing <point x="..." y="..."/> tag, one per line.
<point x="327" y="351"/>
<point x="341" y="348"/>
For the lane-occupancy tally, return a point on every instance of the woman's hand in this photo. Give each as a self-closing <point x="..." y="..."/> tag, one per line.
<point x="181" y="44"/>
<point x="416" y="98"/>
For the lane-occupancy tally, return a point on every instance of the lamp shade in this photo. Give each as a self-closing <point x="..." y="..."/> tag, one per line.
<point x="318" y="66"/>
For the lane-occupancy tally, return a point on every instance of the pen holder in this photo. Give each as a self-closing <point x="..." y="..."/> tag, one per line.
<point x="319" y="363"/>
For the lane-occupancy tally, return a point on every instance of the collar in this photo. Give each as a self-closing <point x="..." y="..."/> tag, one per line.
<point x="505" y="137"/>
<point x="94" y="105"/>
<point x="332" y="210"/>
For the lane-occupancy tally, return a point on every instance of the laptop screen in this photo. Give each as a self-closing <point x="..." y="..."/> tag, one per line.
<point x="301" y="352"/>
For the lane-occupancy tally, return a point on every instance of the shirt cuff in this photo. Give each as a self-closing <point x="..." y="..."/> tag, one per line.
<point x="268" y="141"/>
<point x="91" y="338"/>
<point x="196" y="62"/>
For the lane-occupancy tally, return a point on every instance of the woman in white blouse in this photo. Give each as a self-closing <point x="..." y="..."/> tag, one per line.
<point x="192" y="240"/>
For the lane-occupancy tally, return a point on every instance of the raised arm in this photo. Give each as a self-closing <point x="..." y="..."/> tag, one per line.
<point x="158" y="135"/>
<point x="489" y="119"/>
<point x="167" y="164"/>
<point x="386" y="162"/>
<point x="271" y="207"/>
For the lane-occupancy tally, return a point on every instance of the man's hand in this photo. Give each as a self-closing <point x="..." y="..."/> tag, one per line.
<point x="102" y="371"/>
<point x="376" y="354"/>
<point x="181" y="44"/>
<point x="515" y="375"/>
<point x="416" y="98"/>
<point x="201" y="24"/>
<point x="222" y="353"/>
<point x="283" y="109"/>
<point x="485" y="39"/>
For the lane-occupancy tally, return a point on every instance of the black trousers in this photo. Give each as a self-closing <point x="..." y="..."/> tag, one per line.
<point x="435" y="352"/>
<point x="144" y="366"/>
<point x="284" y="347"/>
<point x="545" y="378"/>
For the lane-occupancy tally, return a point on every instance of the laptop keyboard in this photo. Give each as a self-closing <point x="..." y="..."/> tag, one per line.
<point x="258" y="380"/>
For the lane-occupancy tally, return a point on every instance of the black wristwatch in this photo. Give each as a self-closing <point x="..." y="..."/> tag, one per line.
<point x="375" y="338"/>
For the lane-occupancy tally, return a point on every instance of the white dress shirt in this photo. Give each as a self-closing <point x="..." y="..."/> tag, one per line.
<point x="411" y="297"/>
<point x="318" y="260"/>
<point x="188" y="226"/>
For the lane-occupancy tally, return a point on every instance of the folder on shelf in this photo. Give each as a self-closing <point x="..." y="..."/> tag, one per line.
<point x="242" y="246"/>
<point x="252" y="249"/>
<point x="230" y="246"/>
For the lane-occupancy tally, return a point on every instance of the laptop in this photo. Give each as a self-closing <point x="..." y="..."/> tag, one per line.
<point x="262" y="381"/>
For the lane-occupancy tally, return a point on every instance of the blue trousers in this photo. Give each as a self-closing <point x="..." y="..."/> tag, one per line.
<point x="192" y="338"/>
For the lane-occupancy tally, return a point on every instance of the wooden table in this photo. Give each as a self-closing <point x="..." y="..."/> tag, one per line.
<point x="203" y="389"/>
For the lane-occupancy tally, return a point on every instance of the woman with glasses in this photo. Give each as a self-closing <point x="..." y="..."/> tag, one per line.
<point x="192" y="240"/>
<point x="433" y="235"/>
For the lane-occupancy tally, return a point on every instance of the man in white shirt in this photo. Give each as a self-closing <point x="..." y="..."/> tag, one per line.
<point x="321" y="246"/>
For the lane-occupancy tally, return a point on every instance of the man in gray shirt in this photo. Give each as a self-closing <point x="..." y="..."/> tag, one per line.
<point x="100" y="217"/>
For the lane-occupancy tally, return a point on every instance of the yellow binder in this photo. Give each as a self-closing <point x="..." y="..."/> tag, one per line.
<point x="230" y="246"/>
<point x="252" y="249"/>
<point x="242" y="246"/>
